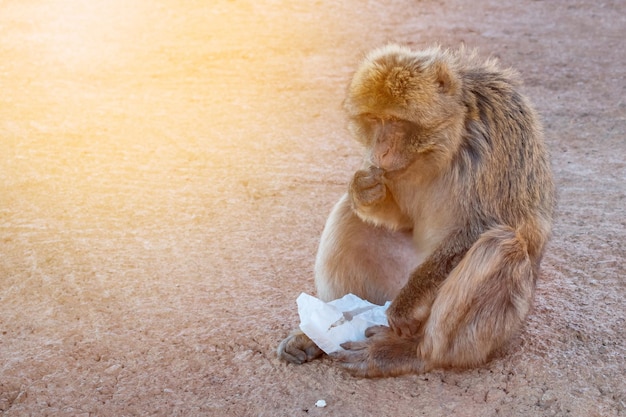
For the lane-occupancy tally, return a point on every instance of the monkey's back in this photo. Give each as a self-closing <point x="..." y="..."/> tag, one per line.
<point x="502" y="154"/>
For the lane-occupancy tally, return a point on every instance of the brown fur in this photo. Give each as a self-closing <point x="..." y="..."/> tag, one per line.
<point x="455" y="158"/>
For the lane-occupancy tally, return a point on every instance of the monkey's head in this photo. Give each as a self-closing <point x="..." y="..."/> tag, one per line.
<point x="404" y="105"/>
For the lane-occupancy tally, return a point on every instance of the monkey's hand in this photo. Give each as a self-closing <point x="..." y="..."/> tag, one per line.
<point x="408" y="312"/>
<point x="367" y="188"/>
<point x="382" y="354"/>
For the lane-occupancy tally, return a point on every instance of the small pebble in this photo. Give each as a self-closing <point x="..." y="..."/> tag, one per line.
<point x="320" y="403"/>
<point x="547" y="399"/>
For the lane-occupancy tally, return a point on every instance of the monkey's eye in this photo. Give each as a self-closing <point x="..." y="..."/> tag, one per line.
<point x="369" y="118"/>
<point x="372" y="119"/>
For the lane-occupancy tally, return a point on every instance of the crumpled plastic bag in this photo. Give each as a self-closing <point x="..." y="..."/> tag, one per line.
<point x="331" y="324"/>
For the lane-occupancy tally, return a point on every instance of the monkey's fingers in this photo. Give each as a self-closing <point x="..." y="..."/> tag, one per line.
<point x="367" y="179"/>
<point x="359" y="369"/>
<point x="357" y="358"/>
<point x="405" y="328"/>
<point x="354" y="346"/>
<point x="353" y="361"/>
<point x="369" y="196"/>
<point x="347" y="357"/>
<point x="298" y="348"/>
<point x="379" y="356"/>
<point x="372" y="334"/>
<point x="297" y="358"/>
<point x="376" y="330"/>
<point x="376" y="171"/>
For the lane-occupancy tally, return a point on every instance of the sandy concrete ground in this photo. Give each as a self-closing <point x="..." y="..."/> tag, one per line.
<point x="166" y="169"/>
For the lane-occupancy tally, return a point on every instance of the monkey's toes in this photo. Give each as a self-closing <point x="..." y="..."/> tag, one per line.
<point x="356" y="360"/>
<point x="376" y="330"/>
<point x="298" y="348"/>
<point x="354" y="346"/>
<point x="405" y="328"/>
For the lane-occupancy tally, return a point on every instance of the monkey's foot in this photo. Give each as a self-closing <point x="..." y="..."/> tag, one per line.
<point x="298" y="348"/>
<point x="382" y="354"/>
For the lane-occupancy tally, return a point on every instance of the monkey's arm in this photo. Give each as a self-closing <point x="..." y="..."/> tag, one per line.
<point x="411" y="307"/>
<point x="373" y="203"/>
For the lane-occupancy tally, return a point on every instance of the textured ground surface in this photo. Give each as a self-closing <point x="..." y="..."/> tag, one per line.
<point x="166" y="169"/>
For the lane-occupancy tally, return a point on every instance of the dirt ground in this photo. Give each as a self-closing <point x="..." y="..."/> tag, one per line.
<point x="166" y="169"/>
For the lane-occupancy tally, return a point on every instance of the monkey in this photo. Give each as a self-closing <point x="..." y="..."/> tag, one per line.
<point x="448" y="216"/>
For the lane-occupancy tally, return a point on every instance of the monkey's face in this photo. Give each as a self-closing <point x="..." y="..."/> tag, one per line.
<point x="391" y="143"/>
<point x="404" y="106"/>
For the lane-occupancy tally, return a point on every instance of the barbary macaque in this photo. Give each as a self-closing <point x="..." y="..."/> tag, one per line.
<point x="448" y="216"/>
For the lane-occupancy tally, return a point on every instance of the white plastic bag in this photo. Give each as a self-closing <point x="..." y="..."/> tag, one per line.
<point x="331" y="324"/>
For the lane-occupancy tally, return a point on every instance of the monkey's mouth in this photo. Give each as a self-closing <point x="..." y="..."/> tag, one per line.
<point x="393" y="173"/>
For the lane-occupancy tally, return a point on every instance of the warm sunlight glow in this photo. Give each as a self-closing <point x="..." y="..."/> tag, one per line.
<point x="118" y="117"/>
<point x="80" y="33"/>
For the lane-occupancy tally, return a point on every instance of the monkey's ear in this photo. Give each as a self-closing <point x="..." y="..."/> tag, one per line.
<point x="447" y="81"/>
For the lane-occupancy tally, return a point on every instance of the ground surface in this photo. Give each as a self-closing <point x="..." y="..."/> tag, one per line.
<point x="166" y="169"/>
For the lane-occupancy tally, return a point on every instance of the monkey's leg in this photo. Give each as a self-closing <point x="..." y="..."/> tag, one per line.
<point x="479" y="306"/>
<point x="354" y="257"/>
<point x="482" y="303"/>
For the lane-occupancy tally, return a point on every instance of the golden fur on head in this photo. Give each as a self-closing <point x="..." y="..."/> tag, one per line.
<point x="402" y="83"/>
